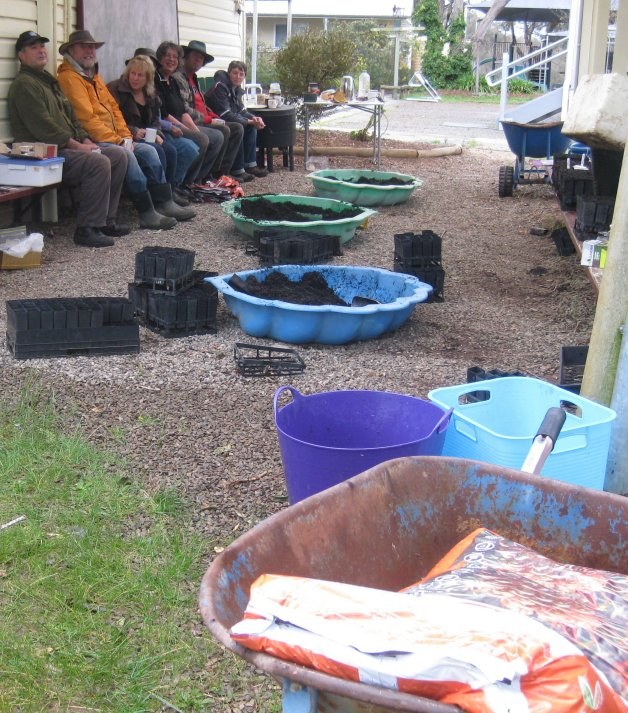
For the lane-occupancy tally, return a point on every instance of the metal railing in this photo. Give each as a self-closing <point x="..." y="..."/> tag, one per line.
<point x="509" y="70"/>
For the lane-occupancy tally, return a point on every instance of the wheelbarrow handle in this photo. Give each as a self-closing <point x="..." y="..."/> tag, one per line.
<point x="544" y="441"/>
<point x="552" y="424"/>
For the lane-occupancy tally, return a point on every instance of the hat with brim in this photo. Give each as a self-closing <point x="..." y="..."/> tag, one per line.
<point x="196" y="46"/>
<point x="147" y="52"/>
<point x="29" y="38"/>
<point x="79" y="37"/>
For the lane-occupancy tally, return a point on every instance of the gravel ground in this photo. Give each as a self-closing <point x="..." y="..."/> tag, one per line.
<point x="185" y="418"/>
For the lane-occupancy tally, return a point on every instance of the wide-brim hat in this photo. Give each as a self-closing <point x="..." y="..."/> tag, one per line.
<point x="80" y="37"/>
<point x="147" y="52"/>
<point x="197" y="46"/>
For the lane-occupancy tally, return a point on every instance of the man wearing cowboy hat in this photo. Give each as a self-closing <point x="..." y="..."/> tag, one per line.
<point x="38" y="111"/>
<point x="195" y="56"/>
<point x="100" y="115"/>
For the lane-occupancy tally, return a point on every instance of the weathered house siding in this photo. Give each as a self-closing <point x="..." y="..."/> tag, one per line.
<point x="216" y="22"/>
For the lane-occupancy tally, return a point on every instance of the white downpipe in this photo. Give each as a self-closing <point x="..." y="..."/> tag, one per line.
<point x="504" y="87"/>
<point x="253" y="76"/>
<point x="289" y="23"/>
<point x="573" y="53"/>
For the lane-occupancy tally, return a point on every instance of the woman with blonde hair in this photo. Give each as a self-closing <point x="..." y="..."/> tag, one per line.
<point x="141" y="108"/>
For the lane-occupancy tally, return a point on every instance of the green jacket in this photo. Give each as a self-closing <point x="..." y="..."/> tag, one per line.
<point x="38" y="111"/>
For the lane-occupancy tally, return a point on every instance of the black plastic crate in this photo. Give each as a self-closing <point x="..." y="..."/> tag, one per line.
<point x="165" y="269"/>
<point x="260" y="360"/>
<point x="60" y="327"/>
<point x="414" y="249"/>
<point x="594" y="213"/>
<point x="563" y="243"/>
<point x="179" y="315"/>
<point x="572" y="362"/>
<point x="138" y="293"/>
<point x="574" y="182"/>
<point x="432" y="275"/>
<point x="477" y="373"/>
<point x="276" y="247"/>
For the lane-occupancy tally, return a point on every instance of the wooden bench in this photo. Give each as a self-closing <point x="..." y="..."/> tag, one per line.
<point x="19" y="194"/>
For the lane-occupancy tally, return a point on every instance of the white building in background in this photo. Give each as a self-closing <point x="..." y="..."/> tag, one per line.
<point x="272" y="25"/>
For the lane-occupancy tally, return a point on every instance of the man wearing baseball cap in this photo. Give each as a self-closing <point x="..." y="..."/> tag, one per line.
<point x="38" y="111"/>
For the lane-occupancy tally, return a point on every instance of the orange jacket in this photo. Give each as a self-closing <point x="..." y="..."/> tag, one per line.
<point x="94" y="106"/>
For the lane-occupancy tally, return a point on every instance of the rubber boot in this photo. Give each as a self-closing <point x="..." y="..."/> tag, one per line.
<point x="162" y="198"/>
<point x="149" y="217"/>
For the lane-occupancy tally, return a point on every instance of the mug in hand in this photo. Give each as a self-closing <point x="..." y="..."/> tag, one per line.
<point x="150" y="136"/>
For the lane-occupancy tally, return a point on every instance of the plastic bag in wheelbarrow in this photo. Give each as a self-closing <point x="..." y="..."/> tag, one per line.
<point x="586" y="606"/>
<point x="482" y="658"/>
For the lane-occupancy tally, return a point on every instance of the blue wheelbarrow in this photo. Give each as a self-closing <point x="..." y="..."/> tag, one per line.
<point x="386" y="528"/>
<point x="530" y="141"/>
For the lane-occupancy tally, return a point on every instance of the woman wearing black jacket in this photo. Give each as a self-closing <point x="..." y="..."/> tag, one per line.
<point x="140" y="106"/>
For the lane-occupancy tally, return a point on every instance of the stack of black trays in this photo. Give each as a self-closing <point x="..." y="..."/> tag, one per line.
<point x="169" y="296"/>
<point x="295" y="247"/>
<point x="81" y="326"/>
<point x="419" y="254"/>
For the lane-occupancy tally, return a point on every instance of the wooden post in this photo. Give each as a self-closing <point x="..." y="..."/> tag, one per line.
<point x="611" y="313"/>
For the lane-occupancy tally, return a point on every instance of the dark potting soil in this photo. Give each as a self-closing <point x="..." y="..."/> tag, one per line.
<point x="369" y="181"/>
<point x="311" y="289"/>
<point x="259" y="208"/>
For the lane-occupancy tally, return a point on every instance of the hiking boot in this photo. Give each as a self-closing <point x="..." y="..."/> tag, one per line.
<point x="149" y="217"/>
<point x="161" y="194"/>
<point x="242" y="177"/>
<point x="92" y="238"/>
<point x="257" y="171"/>
<point x="115" y="230"/>
<point x="179" y="197"/>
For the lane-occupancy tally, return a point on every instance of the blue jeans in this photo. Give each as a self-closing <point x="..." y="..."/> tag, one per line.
<point x="144" y="168"/>
<point x="246" y="156"/>
<point x="180" y="153"/>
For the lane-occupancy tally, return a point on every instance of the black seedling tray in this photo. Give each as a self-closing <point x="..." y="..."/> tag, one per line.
<point x="183" y="314"/>
<point x="260" y="360"/>
<point x="138" y="293"/>
<point x="574" y="182"/>
<point x="477" y="373"/>
<point x="563" y="243"/>
<point x="432" y="275"/>
<point x="594" y="214"/>
<point x="276" y="247"/>
<point x="164" y="269"/>
<point x="572" y="363"/>
<point x="416" y="248"/>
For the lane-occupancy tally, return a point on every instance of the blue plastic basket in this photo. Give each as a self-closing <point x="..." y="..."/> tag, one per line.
<point x="501" y="429"/>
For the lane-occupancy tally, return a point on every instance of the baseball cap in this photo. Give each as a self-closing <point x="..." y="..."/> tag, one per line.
<point x="28" y="38"/>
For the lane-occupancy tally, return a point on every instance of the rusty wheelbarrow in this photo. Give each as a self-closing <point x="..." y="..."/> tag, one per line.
<point x="386" y="528"/>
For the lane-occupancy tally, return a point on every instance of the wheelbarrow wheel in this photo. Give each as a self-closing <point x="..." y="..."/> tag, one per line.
<point x="506" y="181"/>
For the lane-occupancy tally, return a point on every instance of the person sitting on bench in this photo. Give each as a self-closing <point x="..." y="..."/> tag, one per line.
<point x="38" y="111"/>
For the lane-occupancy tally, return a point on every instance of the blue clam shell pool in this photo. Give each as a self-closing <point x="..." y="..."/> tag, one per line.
<point x="328" y="324"/>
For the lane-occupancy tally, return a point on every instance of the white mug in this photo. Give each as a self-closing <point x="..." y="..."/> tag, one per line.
<point x="273" y="103"/>
<point x="150" y="136"/>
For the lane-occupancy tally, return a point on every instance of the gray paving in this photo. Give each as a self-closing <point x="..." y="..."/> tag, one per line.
<point x="469" y="124"/>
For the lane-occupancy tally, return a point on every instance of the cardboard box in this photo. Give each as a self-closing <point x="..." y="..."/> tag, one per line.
<point x="33" y="150"/>
<point x="31" y="259"/>
<point x="594" y="252"/>
<point x="30" y="172"/>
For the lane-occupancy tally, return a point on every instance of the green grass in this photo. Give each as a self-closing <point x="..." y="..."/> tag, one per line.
<point x="98" y="587"/>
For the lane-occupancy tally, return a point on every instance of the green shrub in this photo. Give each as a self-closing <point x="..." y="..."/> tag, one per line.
<point x="322" y="57"/>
